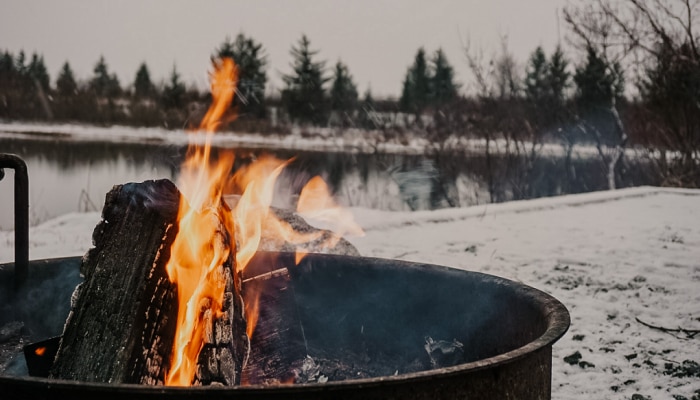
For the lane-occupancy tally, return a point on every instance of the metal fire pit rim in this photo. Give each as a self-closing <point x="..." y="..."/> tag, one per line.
<point x="557" y="316"/>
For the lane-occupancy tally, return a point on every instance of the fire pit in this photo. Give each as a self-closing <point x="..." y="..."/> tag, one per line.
<point x="345" y="313"/>
<point x="163" y="301"/>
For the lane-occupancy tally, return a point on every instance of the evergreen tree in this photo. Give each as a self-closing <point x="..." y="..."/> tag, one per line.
<point x="174" y="91"/>
<point x="343" y="90"/>
<point x="671" y="91"/>
<point x="416" y="91"/>
<point x="597" y="82"/>
<point x="536" y="77"/>
<point x="252" y="62"/>
<point x="21" y="63"/>
<point x="65" y="83"/>
<point x="406" y="101"/>
<point x="38" y="73"/>
<point x="8" y="85"/>
<point x="143" y="87"/>
<point x="304" y="95"/>
<point x="7" y="68"/>
<point x="558" y="77"/>
<point x="443" y="87"/>
<point x="103" y="84"/>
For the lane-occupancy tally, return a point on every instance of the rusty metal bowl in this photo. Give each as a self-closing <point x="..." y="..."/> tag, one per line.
<point x="340" y="308"/>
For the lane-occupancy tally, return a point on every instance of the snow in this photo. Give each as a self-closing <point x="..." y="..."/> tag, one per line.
<point x="317" y="139"/>
<point x="613" y="258"/>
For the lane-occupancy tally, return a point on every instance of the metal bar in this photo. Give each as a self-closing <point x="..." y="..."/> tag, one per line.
<point x="21" y="215"/>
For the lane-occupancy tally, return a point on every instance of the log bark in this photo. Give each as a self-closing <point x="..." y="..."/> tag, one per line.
<point x="121" y="326"/>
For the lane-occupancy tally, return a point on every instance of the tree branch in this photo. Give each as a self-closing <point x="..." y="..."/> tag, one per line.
<point x="690" y="333"/>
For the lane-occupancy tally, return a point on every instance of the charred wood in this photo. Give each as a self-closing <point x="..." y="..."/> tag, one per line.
<point x="120" y="326"/>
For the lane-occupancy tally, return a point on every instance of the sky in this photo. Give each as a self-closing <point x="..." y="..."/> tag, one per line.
<point x="376" y="39"/>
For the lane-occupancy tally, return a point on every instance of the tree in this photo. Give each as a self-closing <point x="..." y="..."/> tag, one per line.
<point x="103" y="83"/>
<point x="65" y="83"/>
<point x="21" y="63"/>
<point x="174" y="92"/>
<point x="443" y="86"/>
<point x="143" y="87"/>
<point x="600" y="85"/>
<point x="304" y="95"/>
<point x="598" y="82"/>
<point x="558" y="77"/>
<point x="536" y="77"/>
<point x="506" y="73"/>
<point x="343" y="93"/>
<point x="661" y="39"/>
<point x="416" y="92"/>
<point x="38" y="73"/>
<point x="252" y="62"/>
<point x="7" y="64"/>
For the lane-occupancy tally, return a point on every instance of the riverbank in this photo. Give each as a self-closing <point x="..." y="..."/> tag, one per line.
<point x="318" y="139"/>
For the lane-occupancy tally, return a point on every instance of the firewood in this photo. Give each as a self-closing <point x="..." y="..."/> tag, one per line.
<point x="121" y="326"/>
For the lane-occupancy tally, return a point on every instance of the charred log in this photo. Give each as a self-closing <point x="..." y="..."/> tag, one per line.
<point x="121" y="326"/>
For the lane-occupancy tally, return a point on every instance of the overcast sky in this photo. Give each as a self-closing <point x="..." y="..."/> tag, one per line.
<point x="377" y="39"/>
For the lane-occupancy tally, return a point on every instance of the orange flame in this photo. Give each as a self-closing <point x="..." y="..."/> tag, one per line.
<point x="202" y="246"/>
<point x="214" y="235"/>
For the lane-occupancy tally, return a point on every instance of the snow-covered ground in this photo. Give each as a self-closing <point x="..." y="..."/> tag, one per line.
<point x="318" y="139"/>
<point x="618" y="260"/>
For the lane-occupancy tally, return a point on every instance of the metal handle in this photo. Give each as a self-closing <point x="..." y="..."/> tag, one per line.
<point x="21" y="214"/>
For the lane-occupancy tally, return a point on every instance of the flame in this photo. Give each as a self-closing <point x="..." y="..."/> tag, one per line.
<point x="202" y="246"/>
<point x="40" y="351"/>
<point x="214" y="235"/>
<point x="316" y="204"/>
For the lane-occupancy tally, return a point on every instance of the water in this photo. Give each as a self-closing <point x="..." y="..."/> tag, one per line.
<point x="74" y="176"/>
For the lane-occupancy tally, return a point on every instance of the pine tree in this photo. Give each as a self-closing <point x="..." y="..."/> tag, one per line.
<point x="174" y="91"/>
<point x="21" y="63"/>
<point x="252" y="62"/>
<point x="671" y="91"/>
<point x="103" y="84"/>
<point x="343" y="90"/>
<point x="143" y="87"/>
<point x="38" y="73"/>
<point x="416" y="91"/>
<point x="406" y="102"/>
<point x="443" y="87"/>
<point x="65" y="83"/>
<point x="597" y="82"/>
<point x="304" y="95"/>
<point x="536" y="77"/>
<point x="7" y="69"/>
<point x="558" y="77"/>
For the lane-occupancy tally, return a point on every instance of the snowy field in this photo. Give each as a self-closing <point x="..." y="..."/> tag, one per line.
<point x="625" y="263"/>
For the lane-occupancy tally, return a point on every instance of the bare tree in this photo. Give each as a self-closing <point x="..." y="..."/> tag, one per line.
<point x="659" y="41"/>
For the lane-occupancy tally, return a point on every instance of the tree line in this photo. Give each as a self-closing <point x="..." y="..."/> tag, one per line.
<point x="647" y="46"/>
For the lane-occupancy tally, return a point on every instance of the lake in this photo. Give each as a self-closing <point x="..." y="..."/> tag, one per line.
<point x="70" y="176"/>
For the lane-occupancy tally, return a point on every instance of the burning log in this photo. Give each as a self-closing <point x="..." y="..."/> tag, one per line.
<point x="120" y="321"/>
<point x="121" y="327"/>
